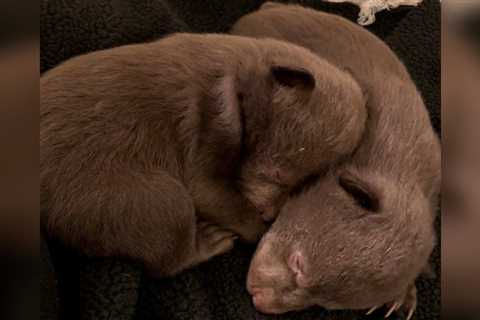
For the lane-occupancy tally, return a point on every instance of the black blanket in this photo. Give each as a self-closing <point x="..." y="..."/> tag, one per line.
<point x="114" y="289"/>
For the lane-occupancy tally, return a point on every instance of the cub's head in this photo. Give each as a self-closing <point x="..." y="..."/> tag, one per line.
<point x="299" y="115"/>
<point x="352" y="240"/>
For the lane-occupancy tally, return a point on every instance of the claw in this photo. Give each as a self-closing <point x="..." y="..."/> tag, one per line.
<point x="371" y="310"/>
<point x="392" y="308"/>
<point x="411" y="301"/>
<point x="410" y="313"/>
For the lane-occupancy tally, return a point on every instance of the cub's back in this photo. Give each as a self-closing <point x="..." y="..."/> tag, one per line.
<point x="332" y="37"/>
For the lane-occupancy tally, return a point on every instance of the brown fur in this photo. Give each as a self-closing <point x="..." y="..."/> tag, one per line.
<point x="360" y="235"/>
<point x="139" y="142"/>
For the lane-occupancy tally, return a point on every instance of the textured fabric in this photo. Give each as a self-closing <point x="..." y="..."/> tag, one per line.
<point x="113" y="289"/>
<point x="70" y="28"/>
<point x="48" y="285"/>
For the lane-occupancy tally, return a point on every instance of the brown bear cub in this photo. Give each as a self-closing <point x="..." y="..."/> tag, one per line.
<point x="358" y="236"/>
<point x="164" y="152"/>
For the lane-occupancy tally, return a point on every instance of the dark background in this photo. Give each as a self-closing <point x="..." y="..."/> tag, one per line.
<point x="74" y="287"/>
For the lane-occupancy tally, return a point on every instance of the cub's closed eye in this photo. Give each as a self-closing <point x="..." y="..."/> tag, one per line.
<point x="305" y="184"/>
<point x="362" y="197"/>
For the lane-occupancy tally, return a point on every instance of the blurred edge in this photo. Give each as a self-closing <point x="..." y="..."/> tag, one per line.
<point x="461" y="159"/>
<point x="19" y="200"/>
<point x="19" y="156"/>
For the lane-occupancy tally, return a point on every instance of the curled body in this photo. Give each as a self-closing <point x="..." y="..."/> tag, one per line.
<point x="156" y="151"/>
<point x="357" y="236"/>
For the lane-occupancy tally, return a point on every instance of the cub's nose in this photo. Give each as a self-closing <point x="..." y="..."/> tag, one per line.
<point x="259" y="279"/>
<point x="253" y="282"/>
<point x="264" y="267"/>
<point x="269" y="214"/>
<point x="262" y="300"/>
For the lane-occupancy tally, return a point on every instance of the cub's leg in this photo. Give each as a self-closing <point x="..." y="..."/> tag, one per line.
<point x="146" y="216"/>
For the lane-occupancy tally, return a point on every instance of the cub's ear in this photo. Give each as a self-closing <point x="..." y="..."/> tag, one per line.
<point x="296" y="263"/>
<point x="293" y="78"/>
<point x="361" y="193"/>
<point x="270" y="4"/>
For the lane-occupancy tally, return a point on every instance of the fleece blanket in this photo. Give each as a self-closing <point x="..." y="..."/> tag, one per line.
<point x="75" y="287"/>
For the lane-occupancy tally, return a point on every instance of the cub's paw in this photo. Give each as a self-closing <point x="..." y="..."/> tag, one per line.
<point x="212" y="240"/>
<point x="408" y="303"/>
